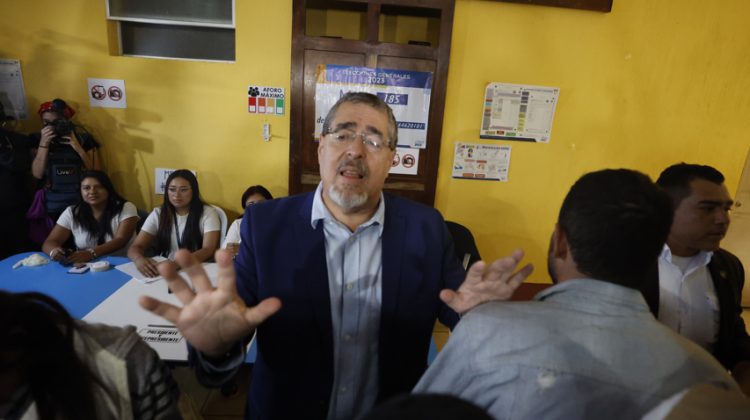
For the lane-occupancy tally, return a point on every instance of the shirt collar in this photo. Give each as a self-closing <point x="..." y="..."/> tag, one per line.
<point x="702" y="258"/>
<point x="321" y="212"/>
<point x="592" y="294"/>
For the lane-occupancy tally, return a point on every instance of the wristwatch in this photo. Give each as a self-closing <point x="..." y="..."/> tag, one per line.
<point x="92" y="252"/>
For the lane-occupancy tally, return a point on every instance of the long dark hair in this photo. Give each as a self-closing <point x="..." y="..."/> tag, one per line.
<point x="83" y="214"/>
<point x="255" y="189"/>
<point x="192" y="234"/>
<point x="37" y="335"/>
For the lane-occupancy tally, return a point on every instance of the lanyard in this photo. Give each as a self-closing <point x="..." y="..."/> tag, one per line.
<point x="180" y="238"/>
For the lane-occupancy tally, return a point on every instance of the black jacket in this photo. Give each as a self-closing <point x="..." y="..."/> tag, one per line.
<point x="733" y="342"/>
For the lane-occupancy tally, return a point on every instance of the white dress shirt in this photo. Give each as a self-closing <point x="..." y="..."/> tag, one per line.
<point x="354" y="262"/>
<point x="687" y="298"/>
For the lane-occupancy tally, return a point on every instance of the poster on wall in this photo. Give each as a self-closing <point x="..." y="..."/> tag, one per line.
<point x="12" y="92"/>
<point x="265" y="100"/>
<point x="481" y="161"/>
<point x="160" y="179"/>
<point x="107" y="93"/>
<point x="518" y="112"/>
<point x="406" y="92"/>
<point x="405" y="161"/>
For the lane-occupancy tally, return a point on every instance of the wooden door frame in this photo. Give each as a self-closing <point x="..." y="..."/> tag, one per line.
<point x="372" y="48"/>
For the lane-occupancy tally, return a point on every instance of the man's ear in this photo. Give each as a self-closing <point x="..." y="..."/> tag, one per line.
<point x="560" y="243"/>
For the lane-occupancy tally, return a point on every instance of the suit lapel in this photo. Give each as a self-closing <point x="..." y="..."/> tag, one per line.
<point x="723" y="294"/>
<point x="394" y="231"/>
<point x="311" y="245"/>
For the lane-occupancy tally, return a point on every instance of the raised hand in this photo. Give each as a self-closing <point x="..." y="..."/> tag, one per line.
<point x="211" y="319"/>
<point x="485" y="283"/>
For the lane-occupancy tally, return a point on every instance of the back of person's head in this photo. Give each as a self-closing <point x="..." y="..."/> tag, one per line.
<point x="255" y="189"/>
<point x="36" y="351"/>
<point x="676" y="179"/>
<point x="367" y="99"/>
<point x="192" y="235"/>
<point x="426" y="407"/>
<point x="84" y="215"/>
<point x="616" y="222"/>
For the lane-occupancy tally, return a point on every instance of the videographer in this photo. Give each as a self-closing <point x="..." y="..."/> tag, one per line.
<point x="64" y="151"/>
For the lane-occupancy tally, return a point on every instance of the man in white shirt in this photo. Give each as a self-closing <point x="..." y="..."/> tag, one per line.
<point x="699" y="285"/>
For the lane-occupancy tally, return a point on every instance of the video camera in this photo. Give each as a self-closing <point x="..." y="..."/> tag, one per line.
<point x="61" y="127"/>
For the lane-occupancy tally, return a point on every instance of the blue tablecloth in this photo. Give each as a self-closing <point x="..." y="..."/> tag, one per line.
<point x="78" y="293"/>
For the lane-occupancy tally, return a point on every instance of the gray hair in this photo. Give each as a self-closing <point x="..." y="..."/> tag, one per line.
<point x="367" y="99"/>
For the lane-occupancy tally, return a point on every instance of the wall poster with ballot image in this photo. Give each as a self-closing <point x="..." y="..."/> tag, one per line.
<point x="481" y="161"/>
<point x="518" y="112"/>
<point x="406" y="92"/>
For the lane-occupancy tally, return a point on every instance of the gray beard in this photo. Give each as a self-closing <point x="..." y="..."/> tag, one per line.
<point x="347" y="201"/>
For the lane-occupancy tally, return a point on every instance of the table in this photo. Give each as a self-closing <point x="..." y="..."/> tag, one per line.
<point x="78" y="293"/>
<point x="108" y="297"/>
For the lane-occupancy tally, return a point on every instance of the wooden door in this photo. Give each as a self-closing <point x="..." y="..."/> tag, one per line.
<point x="310" y="51"/>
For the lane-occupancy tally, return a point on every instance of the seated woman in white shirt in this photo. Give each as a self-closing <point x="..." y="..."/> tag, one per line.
<point x="101" y="223"/>
<point x="252" y="195"/>
<point x="182" y="222"/>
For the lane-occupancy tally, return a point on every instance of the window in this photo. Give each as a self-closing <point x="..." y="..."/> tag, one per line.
<point x="179" y="29"/>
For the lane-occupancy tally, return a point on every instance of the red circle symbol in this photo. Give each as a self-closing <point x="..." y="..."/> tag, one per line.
<point x="98" y="92"/>
<point x="408" y="161"/>
<point x="115" y="93"/>
<point x="396" y="160"/>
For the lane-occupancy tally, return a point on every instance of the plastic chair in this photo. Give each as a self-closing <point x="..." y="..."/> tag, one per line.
<point x="142" y="215"/>
<point x="463" y="242"/>
<point x="224" y="223"/>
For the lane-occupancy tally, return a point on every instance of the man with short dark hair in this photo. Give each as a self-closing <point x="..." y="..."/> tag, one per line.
<point x="697" y="288"/>
<point x="362" y="276"/>
<point x="588" y="347"/>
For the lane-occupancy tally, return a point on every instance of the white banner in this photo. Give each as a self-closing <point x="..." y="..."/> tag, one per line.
<point x="406" y="92"/>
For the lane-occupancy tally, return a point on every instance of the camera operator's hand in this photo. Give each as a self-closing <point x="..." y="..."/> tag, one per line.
<point x="48" y="134"/>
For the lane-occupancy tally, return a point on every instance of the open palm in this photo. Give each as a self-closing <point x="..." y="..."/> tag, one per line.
<point x="485" y="283"/>
<point x="212" y="319"/>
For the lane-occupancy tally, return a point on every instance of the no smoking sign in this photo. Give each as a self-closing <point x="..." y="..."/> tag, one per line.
<point x="107" y="93"/>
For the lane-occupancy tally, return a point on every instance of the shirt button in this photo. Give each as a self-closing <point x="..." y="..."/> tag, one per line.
<point x="342" y="389"/>
<point x="347" y="337"/>
<point x="349" y="286"/>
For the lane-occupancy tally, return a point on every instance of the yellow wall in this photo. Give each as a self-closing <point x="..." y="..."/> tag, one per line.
<point x="650" y="84"/>
<point x="180" y="113"/>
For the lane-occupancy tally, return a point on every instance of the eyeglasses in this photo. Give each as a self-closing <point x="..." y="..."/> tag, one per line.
<point x="175" y="190"/>
<point x="372" y="141"/>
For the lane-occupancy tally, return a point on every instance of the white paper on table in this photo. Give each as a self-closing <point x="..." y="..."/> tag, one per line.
<point x="132" y="270"/>
<point x="121" y="309"/>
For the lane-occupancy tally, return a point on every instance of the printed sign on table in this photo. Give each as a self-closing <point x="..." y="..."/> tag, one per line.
<point x="406" y="92"/>
<point x="107" y="93"/>
<point x="265" y="100"/>
<point x="481" y="161"/>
